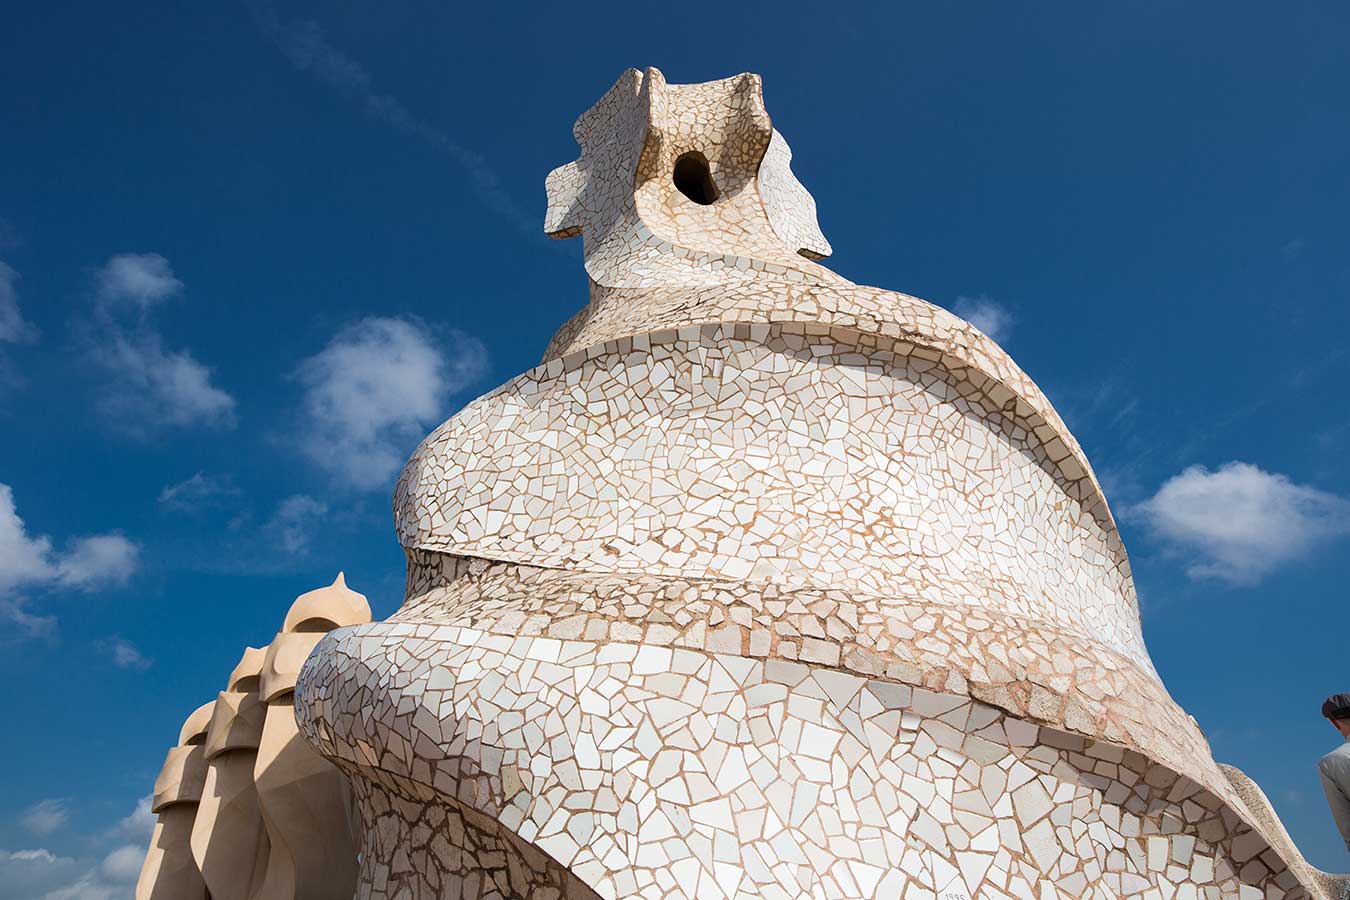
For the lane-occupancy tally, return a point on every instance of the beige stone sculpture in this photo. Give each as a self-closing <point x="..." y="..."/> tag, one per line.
<point x="305" y="801"/>
<point x="764" y="584"/>
<point x="246" y="807"/>
<point x="229" y="841"/>
<point x="170" y="872"/>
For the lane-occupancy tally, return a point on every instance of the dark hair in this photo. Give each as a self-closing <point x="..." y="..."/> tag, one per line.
<point x="1337" y="706"/>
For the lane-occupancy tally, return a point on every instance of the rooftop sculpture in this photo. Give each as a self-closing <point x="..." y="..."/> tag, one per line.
<point x="169" y="871"/>
<point x="764" y="584"/>
<point x="246" y="808"/>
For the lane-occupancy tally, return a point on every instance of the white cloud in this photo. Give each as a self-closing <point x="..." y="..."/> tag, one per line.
<point x="24" y="625"/>
<point x="152" y="388"/>
<point x="123" y="865"/>
<point x="89" y="887"/>
<point x="143" y="278"/>
<point x="39" y="873"/>
<point x="295" y="522"/>
<point x="13" y="328"/>
<point x="45" y="816"/>
<point x="370" y="395"/>
<point x="148" y="387"/>
<point x="139" y="825"/>
<point x="986" y="314"/>
<point x="25" y="874"/>
<point x="89" y="562"/>
<point x="1239" y="523"/>
<point x="199" y="490"/>
<point x="126" y="655"/>
<point x="23" y="560"/>
<point x="96" y="561"/>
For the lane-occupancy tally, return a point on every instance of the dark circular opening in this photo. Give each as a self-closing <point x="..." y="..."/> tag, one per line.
<point x="314" y="626"/>
<point x="693" y="178"/>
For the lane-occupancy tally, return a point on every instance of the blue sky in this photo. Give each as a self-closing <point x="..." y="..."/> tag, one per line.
<point x="252" y="253"/>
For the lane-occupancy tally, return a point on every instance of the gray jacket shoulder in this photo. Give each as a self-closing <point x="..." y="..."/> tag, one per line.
<point x="1336" y="764"/>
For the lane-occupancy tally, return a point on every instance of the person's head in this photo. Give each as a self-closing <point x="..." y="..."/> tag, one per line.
<point x="1336" y="709"/>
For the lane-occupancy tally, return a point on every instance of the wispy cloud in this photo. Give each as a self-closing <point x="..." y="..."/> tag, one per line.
<point x="147" y="387"/>
<point x="252" y="537"/>
<point x="1239" y="523"/>
<point x="123" y="864"/>
<point x="39" y="873"/>
<point x="371" y="393"/>
<point x="45" y="817"/>
<point x="99" y="560"/>
<point x="308" y="50"/>
<point x="29" y="873"/>
<point x="296" y="522"/>
<point x="39" y="855"/>
<point x="27" y="562"/>
<point x="153" y="389"/>
<point x="986" y="314"/>
<point x="199" y="491"/>
<point x="23" y="559"/>
<point x="125" y="655"/>
<point x="141" y="278"/>
<point x="1111" y="424"/>
<point x="139" y="824"/>
<point x="14" y="329"/>
<point x="19" y="622"/>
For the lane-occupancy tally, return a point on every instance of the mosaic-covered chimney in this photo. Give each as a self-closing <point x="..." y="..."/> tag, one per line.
<point x="764" y="584"/>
